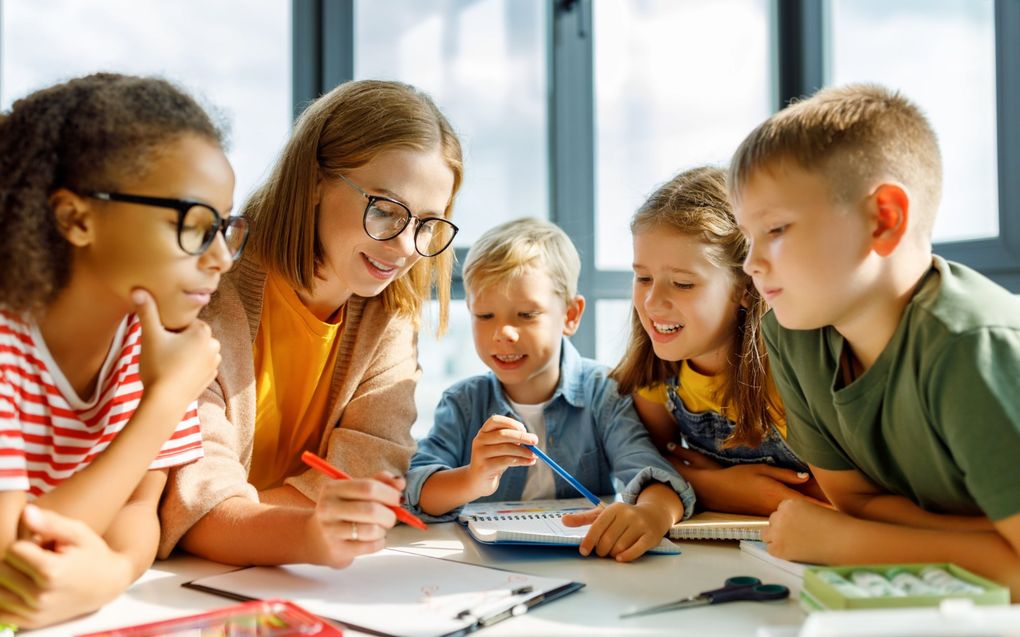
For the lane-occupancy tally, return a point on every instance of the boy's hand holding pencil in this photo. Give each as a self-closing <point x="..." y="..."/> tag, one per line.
<point x="497" y="447"/>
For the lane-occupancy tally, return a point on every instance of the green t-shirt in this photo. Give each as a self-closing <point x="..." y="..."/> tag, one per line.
<point x="937" y="417"/>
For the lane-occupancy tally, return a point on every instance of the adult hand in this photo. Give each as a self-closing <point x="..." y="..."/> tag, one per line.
<point x="497" y="447"/>
<point x="753" y="488"/>
<point x="352" y="517"/>
<point x="621" y="531"/>
<point x="76" y="574"/>
<point x="184" y="362"/>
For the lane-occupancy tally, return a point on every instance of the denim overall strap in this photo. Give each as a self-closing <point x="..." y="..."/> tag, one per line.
<point x="705" y="432"/>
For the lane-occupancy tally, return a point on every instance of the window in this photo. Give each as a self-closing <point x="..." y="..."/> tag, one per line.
<point x="613" y="333"/>
<point x="242" y="72"/>
<point x="941" y="55"/>
<point x="444" y="361"/>
<point x="484" y="63"/>
<point x="677" y="84"/>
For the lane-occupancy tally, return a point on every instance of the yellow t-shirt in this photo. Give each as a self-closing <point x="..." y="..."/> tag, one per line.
<point x="702" y="393"/>
<point x="295" y="355"/>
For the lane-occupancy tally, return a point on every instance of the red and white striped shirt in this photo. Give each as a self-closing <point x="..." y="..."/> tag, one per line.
<point x="48" y="433"/>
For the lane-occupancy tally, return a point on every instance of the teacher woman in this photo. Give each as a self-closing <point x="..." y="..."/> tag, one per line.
<point x="317" y="325"/>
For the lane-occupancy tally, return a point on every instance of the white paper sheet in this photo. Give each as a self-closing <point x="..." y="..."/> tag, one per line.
<point x="392" y="592"/>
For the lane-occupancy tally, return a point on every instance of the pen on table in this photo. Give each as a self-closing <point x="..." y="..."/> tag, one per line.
<point x="321" y="465"/>
<point x="515" y="611"/>
<point x="565" y="475"/>
<point x="473" y="611"/>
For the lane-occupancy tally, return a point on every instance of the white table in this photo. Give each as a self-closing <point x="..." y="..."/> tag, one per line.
<point x="611" y="589"/>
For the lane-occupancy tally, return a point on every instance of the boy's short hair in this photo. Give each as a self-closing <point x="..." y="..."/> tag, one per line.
<point x="506" y="250"/>
<point x="850" y="135"/>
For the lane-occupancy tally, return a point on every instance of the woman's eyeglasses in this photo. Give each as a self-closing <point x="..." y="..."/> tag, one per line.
<point x="197" y="223"/>
<point x="386" y="218"/>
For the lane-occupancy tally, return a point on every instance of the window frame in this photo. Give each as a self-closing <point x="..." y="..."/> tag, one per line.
<point x="323" y="56"/>
<point x="323" y="44"/>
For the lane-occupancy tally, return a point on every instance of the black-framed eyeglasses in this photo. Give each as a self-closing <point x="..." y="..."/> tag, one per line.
<point x="197" y="223"/>
<point x="386" y="218"/>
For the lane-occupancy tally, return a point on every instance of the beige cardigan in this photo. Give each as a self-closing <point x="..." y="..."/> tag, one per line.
<point x="371" y="402"/>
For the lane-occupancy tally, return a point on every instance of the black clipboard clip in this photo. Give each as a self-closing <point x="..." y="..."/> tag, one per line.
<point x="516" y="610"/>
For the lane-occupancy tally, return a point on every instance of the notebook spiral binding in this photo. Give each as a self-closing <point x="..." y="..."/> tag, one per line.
<point x="549" y="515"/>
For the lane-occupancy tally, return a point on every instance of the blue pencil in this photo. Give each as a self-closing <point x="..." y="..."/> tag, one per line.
<point x="564" y="474"/>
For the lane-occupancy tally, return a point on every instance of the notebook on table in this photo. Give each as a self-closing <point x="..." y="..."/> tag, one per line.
<point x="719" y="526"/>
<point x="760" y="550"/>
<point x="533" y="523"/>
<point x="393" y="592"/>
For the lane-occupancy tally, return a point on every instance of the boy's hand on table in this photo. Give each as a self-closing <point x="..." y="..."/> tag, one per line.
<point x="621" y="531"/>
<point x="803" y="531"/>
<point x="496" y="448"/>
<point x="753" y="488"/>
<point x="352" y="517"/>
<point x="63" y="571"/>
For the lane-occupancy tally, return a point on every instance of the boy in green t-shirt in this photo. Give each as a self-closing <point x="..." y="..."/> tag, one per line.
<point x="899" y="370"/>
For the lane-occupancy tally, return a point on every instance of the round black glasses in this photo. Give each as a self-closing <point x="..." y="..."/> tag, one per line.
<point x="197" y="223"/>
<point x="386" y="218"/>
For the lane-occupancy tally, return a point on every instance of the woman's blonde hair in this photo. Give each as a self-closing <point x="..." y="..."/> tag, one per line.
<point x="342" y="130"/>
<point x="695" y="203"/>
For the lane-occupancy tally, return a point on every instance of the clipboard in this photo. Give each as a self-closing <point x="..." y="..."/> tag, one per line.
<point x="396" y="593"/>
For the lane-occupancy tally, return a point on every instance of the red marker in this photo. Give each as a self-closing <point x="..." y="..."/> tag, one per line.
<point x="315" y="462"/>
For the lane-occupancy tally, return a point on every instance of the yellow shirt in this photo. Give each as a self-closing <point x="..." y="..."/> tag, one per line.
<point x="295" y="356"/>
<point x="702" y="393"/>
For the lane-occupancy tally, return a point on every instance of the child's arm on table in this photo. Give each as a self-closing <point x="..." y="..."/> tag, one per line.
<point x="495" y="448"/>
<point x="752" y="488"/>
<point x="852" y="493"/>
<point x="806" y="532"/>
<point x="62" y="568"/>
<point x="626" y="531"/>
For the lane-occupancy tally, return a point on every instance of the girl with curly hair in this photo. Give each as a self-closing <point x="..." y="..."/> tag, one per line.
<point x="114" y="232"/>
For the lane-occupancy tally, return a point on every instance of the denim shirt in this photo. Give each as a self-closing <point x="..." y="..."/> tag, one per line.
<point x="592" y="432"/>
<point x="705" y="432"/>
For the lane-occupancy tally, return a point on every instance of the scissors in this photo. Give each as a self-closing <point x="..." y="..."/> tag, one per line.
<point x="737" y="589"/>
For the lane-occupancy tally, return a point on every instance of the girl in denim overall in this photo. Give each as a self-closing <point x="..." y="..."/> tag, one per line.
<point x="695" y="361"/>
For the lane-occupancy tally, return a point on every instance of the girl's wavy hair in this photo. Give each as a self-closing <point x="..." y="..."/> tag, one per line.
<point x="344" y="129"/>
<point x="695" y="203"/>
<point x="89" y="133"/>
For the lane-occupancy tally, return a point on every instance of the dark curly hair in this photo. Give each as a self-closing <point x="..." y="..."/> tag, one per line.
<point x="86" y="134"/>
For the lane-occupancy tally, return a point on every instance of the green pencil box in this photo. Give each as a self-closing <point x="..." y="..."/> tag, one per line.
<point x="817" y="594"/>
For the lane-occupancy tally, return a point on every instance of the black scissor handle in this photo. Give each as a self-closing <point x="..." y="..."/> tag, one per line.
<point x="755" y="593"/>
<point x="740" y="581"/>
<point x="765" y="592"/>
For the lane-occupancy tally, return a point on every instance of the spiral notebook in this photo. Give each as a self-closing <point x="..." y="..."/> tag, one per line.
<point x="719" y="526"/>
<point x="534" y="523"/>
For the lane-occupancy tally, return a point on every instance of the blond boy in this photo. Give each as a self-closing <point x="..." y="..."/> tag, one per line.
<point x="521" y="283"/>
<point x="897" y="368"/>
